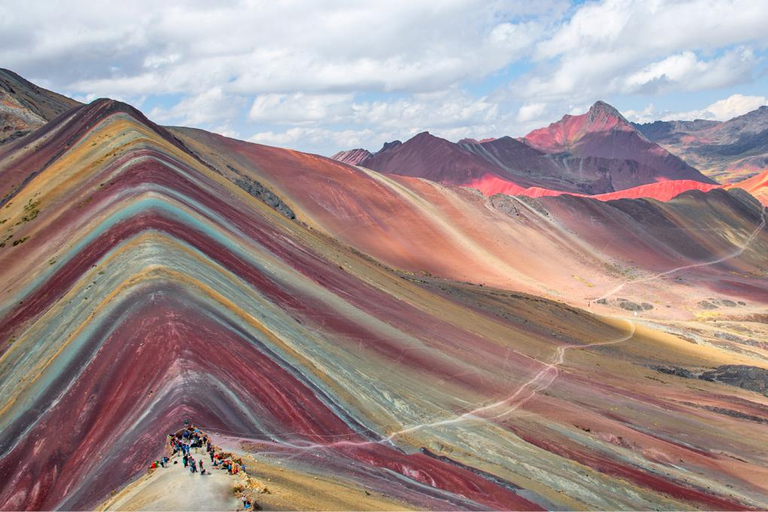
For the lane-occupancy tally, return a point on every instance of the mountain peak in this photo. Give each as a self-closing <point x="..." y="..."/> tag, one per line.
<point x="389" y="145"/>
<point x="602" y="110"/>
<point x="352" y="156"/>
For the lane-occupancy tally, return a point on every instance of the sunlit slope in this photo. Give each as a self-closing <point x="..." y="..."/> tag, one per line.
<point x="570" y="248"/>
<point x="148" y="287"/>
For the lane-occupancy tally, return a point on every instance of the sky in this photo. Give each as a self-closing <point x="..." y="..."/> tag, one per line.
<point x="326" y="75"/>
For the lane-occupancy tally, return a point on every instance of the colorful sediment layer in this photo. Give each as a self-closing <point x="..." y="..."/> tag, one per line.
<point x="152" y="275"/>
<point x="757" y="186"/>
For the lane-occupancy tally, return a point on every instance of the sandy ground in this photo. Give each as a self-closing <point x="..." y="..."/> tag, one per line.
<point x="175" y="488"/>
<point x="270" y="485"/>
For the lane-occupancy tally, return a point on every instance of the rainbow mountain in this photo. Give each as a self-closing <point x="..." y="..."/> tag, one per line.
<point x="370" y="340"/>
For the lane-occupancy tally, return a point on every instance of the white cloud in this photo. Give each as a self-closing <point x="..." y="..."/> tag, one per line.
<point x="530" y="111"/>
<point x="647" y="115"/>
<point x="300" y="108"/>
<point x="735" y="105"/>
<point x="207" y="107"/>
<point x="156" y="61"/>
<point x="317" y="138"/>
<point x="722" y="110"/>
<point x="344" y="71"/>
<point x="646" y="47"/>
<point x="251" y="47"/>
<point x="445" y="109"/>
<point x="684" y="71"/>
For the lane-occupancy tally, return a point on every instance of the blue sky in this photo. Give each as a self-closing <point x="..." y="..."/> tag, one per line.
<point x="322" y="75"/>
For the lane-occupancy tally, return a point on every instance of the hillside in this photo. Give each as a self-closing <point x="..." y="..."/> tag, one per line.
<point x="371" y="339"/>
<point x="729" y="151"/>
<point x="24" y="107"/>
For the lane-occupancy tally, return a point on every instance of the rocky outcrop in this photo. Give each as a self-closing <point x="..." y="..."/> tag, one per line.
<point x="742" y="376"/>
<point x="751" y="378"/>
<point x="264" y="195"/>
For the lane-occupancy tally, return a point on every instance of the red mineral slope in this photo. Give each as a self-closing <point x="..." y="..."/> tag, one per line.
<point x="661" y="190"/>
<point x="418" y="225"/>
<point x="568" y="134"/>
<point x="353" y="156"/>
<point x="757" y="186"/>
<point x="604" y="133"/>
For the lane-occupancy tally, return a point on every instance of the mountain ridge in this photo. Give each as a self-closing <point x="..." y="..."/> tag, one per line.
<point x="398" y="338"/>
<point x="594" y="153"/>
<point x="25" y="107"/>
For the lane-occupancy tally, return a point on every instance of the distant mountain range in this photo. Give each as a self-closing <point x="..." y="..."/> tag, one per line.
<point x="598" y="153"/>
<point x="728" y="151"/>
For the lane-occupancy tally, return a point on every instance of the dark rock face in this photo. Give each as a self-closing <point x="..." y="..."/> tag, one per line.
<point x="630" y="306"/>
<point x="389" y="145"/>
<point x="675" y="370"/>
<point x="264" y="195"/>
<point x="736" y="414"/>
<point x="742" y="376"/>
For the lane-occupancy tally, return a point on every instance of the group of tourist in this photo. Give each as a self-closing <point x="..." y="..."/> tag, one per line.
<point x="191" y="437"/>
<point x="184" y="441"/>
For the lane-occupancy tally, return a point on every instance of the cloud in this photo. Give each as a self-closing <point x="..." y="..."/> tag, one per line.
<point x="252" y="47"/>
<point x="313" y="139"/>
<point x="210" y="106"/>
<point x="647" y="115"/>
<point x="445" y="109"/>
<point x="735" y="105"/>
<point x="305" y="73"/>
<point x="300" y="108"/>
<point x="721" y="110"/>
<point x="530" y="111"/>
<point x="646" y="47"/>
<point x="684" y="71"/>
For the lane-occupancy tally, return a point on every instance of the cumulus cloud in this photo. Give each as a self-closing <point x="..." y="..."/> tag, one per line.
<point x="648" y="47"/>
<point x="721" y="110"/>
<point x="733" y="106"/>
<point x="314" y="139"/>
<point x="309" y="73"/>
<point x="209" y="106"/>
<point x="300" y="108"/>
<point x="685" y="71"/>
<point x="530" y="111"/>
<point x="440" y="110"/>
<point x="646" y="115"/>
<point x="265" y="47"/>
